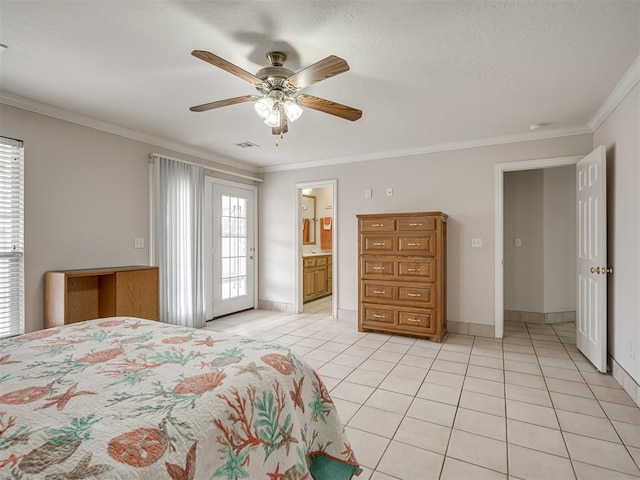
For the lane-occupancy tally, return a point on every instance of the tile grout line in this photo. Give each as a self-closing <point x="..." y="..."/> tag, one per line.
<point x="555" y="412"/>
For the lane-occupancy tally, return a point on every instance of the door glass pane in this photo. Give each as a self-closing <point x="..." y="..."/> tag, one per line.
<point x="234" y="247"/>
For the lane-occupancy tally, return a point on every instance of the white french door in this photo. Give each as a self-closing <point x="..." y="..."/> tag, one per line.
<point x="592" y="258"/>
<point x="230" y="238"/>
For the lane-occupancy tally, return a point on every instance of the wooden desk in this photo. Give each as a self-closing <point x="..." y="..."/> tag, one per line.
<point x="77" y="295"/>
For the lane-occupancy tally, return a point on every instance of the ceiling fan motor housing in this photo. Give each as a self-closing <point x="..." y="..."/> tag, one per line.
<point x="275" y="75"/>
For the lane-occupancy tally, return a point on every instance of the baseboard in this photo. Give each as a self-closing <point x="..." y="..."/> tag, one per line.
<point x="539" y="317"/>
<point x="475" y="329"/>
<point x="625" y="380"/>
<point x="276" y="306"/>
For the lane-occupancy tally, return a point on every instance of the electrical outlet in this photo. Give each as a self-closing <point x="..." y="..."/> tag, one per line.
<point x="138" y="243"/>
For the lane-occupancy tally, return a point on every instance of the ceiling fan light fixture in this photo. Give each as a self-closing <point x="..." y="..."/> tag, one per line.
<point x="278" y="102"/>
<point x="273" y="119"/>
<point x="263" y="106"/>
<point x="292" y="109"/>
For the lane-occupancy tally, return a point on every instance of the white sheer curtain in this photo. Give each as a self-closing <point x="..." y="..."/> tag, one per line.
<point x="178" y="240"/>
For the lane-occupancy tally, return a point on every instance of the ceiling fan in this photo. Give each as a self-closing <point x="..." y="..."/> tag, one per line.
<point x="280" y="100"/>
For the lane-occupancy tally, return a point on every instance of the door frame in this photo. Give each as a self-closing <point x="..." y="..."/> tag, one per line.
<point x="499" y="169"/>
<point x="298" y="300"/>
<point x="254" y="189"/>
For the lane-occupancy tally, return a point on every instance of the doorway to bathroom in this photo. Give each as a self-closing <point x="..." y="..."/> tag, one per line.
<point x="316" y="249"/>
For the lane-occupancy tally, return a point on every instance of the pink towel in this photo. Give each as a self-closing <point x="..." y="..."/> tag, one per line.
<point x="326" y="233"/>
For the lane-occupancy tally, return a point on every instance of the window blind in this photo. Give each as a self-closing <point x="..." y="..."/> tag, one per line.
<point x="11" y="237"/>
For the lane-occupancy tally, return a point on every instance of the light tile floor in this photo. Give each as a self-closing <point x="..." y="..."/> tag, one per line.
<point x="529" y="406"/>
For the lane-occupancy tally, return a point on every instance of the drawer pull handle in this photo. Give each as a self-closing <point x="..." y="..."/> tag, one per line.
<point x="414" y="320"/>
<point x="415" y="224"/>
<point x="379" y="268"/>
<point x="413" y="270"/>
<point x="378" y="244"/>
<point x="379" y="292"/>
<point x="377" y="224"/>
<point x="413" y="244"/>
<point x="375" y="315"/>
<point x="414" y="295"/>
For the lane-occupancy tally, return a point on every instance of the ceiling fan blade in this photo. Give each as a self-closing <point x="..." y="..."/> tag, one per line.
<point x="327" y="106"/>
<point x="221" y="103"/>
<point x="321" y="70"/>
<point x="283" y="128"/>
<point x="227" y="66"/>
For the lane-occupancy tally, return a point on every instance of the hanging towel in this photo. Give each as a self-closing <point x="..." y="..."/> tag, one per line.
<point x="305" y="230"/>
<point x="326" y="233"/>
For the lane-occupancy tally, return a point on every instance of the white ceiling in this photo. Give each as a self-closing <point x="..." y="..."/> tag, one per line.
<point x="426" y="74"/>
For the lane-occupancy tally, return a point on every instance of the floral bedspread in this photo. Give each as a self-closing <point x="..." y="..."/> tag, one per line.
<point x="125" y="398"/>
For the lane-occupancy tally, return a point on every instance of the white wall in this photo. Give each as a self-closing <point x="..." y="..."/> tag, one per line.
<point x="86" y="199"/>
<point x="459" y="183"/>
<point x="559" y="204"/>
<point x="524" y="219"/>
<point x="540" y="209"/>
<point x="621" y="135"/>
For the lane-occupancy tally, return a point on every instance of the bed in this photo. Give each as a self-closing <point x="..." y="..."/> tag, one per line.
<point x="126" y="398"/>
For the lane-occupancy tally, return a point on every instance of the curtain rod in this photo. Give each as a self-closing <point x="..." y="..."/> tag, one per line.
<point x="211" y="169"/>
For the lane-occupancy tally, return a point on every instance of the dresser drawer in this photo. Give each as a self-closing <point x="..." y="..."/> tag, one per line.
<point x="423" y="295"/>
<point x="374" y="291"/>
<point x="378" y="225"/>
<point x="375" y="314"/>
<point x="424" y="244"/>
<point x="416" y="224"/>
<point x="377" y="268"/>
<point x="378" y="244"/>
<point x="309" y="262"/>
<point x="321" y="261"/>
<point x="425" y="270"/>
<point x="421" y="320"/>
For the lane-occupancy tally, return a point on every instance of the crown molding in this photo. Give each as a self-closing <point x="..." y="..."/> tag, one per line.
<point x="621" y="90"/>
<point x="59" y="113"/>
<point x="443" y="147"/>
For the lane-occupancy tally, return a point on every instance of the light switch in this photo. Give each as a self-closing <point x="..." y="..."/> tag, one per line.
<point x="367" y="193"/>
<point x="518" y="242"/>
<point x="476" y="243"/>
<point x="138" y="243"/>
<point x="389" y="192"/>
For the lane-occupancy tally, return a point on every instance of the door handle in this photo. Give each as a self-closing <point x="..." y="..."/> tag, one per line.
<point x="602" y="270"/>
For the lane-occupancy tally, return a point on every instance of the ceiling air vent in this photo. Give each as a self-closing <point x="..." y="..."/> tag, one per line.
<point x="246" y="144"/>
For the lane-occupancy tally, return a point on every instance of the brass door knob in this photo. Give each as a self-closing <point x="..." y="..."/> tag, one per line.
<point x="602" y="270"/>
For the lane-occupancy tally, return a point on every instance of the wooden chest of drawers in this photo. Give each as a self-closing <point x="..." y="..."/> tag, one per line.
<point x="402" y="274"/>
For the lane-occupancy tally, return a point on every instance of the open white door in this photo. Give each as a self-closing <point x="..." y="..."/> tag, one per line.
<point x="592" y="257"/>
